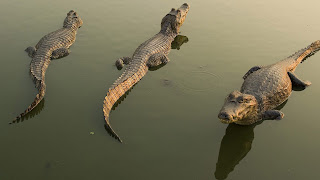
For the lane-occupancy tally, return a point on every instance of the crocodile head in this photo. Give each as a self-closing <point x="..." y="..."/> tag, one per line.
<point x="72" y="20"/>
<point x="239" y="108"/>
<point x="175" y="18"/>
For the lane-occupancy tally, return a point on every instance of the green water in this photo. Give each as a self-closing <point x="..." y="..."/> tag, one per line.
<point x="168" y="122"/>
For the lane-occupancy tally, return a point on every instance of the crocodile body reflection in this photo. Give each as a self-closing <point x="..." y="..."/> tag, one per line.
<point x="235" y="145"/>
<point x="178" y="41"/>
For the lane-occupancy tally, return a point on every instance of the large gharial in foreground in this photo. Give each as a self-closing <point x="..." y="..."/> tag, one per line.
<point x="152" y="53"/>
<point x="52" y="46"/>
<point x="265" y="88"/>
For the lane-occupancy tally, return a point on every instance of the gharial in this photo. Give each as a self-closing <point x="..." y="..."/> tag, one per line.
<point x="52" y="46"/>
<point x="151" y="53"/>
<point x="264" y="88"/>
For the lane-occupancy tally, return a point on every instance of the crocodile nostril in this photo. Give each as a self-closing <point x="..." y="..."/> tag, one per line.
<point x="224" y="115"/>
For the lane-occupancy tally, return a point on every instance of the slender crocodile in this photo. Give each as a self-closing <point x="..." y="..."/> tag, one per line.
<point x="265" y="88"/>
<point x="151" y="53"/>
<point x="52" y="46"/>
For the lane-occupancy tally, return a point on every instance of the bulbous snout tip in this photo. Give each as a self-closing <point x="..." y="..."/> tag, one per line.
<point x="185" y="7"/>
<point x="225" y="117"/>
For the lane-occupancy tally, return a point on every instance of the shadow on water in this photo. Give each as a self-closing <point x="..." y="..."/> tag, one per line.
<point x="178" y="41"/>
<point x="32" y="113"/>
<point x="235" y="145"/>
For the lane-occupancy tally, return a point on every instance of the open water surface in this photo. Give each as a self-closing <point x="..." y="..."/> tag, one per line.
<point x="168" y="122"/>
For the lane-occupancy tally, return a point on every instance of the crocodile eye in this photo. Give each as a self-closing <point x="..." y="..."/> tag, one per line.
<point x="241" y="100"/>
<point x="245" y="100"/>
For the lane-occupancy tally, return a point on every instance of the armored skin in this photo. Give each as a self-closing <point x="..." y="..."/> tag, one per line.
<point x="149" y="54"/>
<point x="52" y="46"/>
<point x="265" y="88"/>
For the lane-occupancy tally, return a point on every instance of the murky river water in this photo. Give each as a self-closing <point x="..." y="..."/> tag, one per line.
<point x="168" y="122"/>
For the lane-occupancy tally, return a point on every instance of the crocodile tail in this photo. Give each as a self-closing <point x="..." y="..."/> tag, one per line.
<point x="310" y="50"/>
<point x="116" y="92"/>
<point x="303" y="54"/>
<point x="41" y="86"/>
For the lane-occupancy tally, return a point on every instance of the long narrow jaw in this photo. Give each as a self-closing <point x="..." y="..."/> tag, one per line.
<point x="184" y="9"/>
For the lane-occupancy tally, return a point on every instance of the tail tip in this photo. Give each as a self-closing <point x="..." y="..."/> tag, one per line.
<point x="112" y="133"/>
<point x="316" y="43"/>
<point x="14" y="120"/>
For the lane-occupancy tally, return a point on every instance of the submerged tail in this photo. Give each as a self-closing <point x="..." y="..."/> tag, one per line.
<point x="303" y="54"/>
<point x="119" y="88"/>
<point x="41" y="86"/>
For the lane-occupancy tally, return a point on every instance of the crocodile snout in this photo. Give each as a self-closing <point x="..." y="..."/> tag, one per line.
<point x="225" y="117"/>
<point x="185" y="7"/>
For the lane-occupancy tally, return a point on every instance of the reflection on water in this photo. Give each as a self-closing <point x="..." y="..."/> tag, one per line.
<point x="234" y="146"/>
<point x="178" y="41"/>
<point x="32" y="113"/>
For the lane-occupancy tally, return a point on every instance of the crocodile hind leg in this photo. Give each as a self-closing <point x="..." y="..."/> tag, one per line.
<point x="31" y="51"/>
<point x="60" y="53"/>
<point x="298" y="83"/>
<point x="157" y="59"/>
<point x="272" y="115"/>
<point x="122" y="61"/>
<point x="253" y="69"/>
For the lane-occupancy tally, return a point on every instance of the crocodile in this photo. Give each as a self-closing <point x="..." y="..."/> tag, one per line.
<point x="265" y="88"/>
<point x="234" y="146"/>
<point x="152" y="53"/>
<point x="54" y="45"/>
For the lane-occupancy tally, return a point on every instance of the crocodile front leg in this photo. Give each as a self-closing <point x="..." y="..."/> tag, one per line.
<point x="60" y="53"/>
<point x="272" y="115"/>
<point x="253" y="69"/>
<point x="31" y="51"/>
<point x="122" y="61"/>
<point x="298" y="83"/>
<point x="157" y="59"/>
